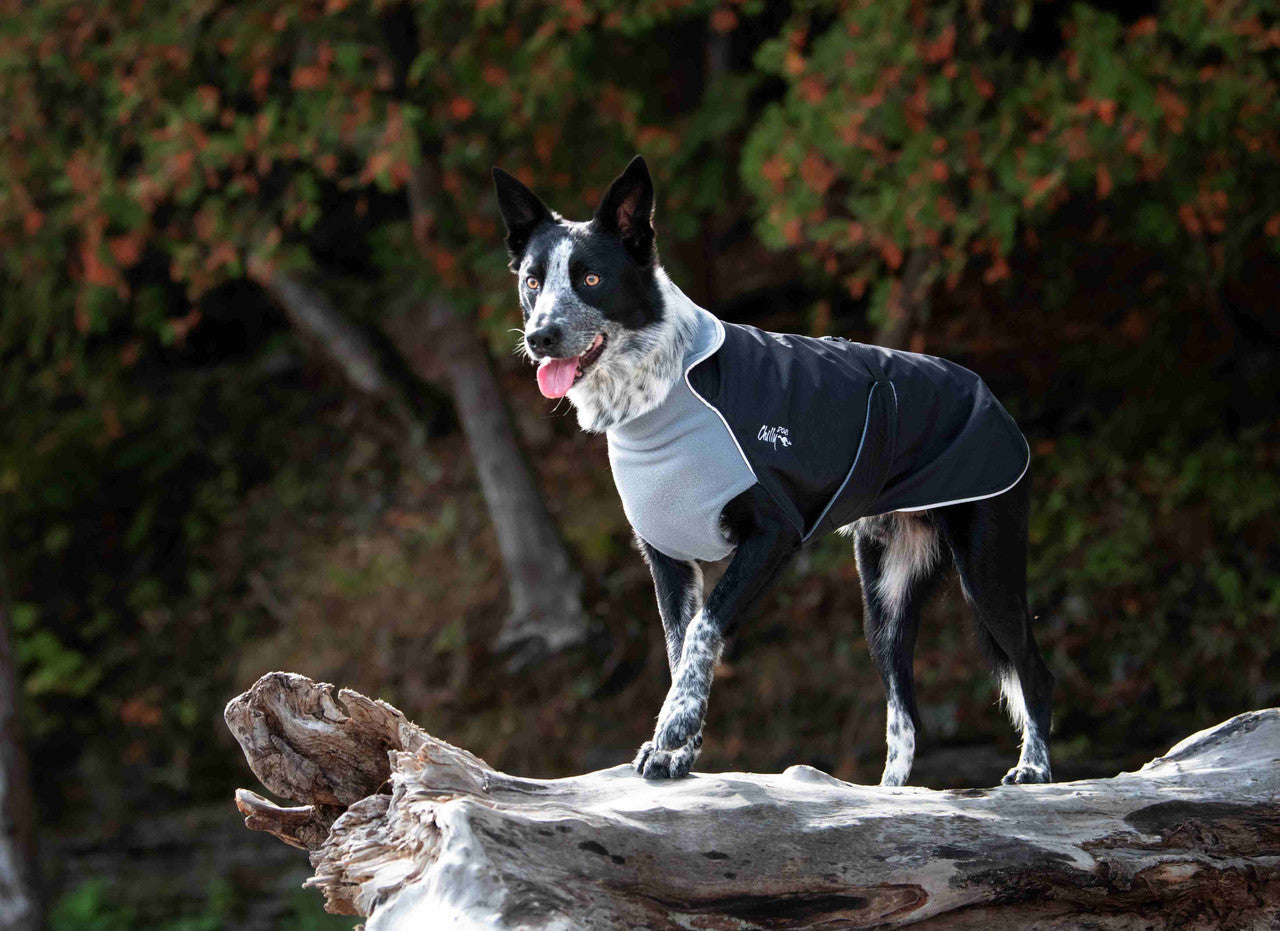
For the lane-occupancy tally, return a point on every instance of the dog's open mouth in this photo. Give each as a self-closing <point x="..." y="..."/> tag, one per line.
<point x="557" y="376"/>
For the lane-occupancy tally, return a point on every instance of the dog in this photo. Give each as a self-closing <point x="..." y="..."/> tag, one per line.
<point x="909" y="454"/>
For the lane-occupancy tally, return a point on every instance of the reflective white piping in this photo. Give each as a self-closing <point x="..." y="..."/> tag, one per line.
<point x="866" y="423"/>
<point x="711" y="407"/>
<point x="942" y="504"/>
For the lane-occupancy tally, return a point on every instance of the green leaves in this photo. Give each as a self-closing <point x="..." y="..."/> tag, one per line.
<point x="955" y="131"/>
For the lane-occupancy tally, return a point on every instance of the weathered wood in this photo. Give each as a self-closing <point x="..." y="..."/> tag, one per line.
<point x="434" y="837"/>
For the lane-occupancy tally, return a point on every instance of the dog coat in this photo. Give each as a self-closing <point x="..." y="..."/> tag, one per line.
<point x="833" y="430"/>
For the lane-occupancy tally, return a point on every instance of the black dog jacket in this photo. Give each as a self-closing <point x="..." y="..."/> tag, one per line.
<point x="837" y="430"/>
<point x="834" y="431"/>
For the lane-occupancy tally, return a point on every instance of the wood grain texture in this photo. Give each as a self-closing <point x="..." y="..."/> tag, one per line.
<point x="431" y="836"/>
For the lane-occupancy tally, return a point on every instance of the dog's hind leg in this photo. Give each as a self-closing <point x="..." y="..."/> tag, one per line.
<point x="988" y="539"/>
<point x="899" y="567"/>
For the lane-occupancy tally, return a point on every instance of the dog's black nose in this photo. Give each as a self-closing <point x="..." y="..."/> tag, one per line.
<point x="545" y="340"/>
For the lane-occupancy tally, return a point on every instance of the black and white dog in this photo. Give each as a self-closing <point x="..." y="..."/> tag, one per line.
<point x="726" y="439"/>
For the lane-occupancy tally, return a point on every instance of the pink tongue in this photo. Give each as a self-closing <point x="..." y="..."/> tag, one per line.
<point x="555" y="376"/>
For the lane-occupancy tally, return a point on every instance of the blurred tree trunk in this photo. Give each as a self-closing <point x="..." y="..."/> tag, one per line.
<point x="909" y="306"/>
<point x="19" y="869"/>
<point x="346" y="345"/>
<point x="545" y="588"/>
<point x="544" y="582"/>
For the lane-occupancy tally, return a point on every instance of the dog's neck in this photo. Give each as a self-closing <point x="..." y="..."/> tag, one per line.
<point x="644" y="365"/>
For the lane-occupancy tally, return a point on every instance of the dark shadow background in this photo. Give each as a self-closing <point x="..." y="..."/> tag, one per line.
<point x="1081" y="203"/>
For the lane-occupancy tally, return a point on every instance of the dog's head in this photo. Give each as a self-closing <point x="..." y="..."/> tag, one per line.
<point x="588" y="290"/>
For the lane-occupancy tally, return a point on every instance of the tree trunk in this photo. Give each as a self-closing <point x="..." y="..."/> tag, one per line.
<point x="908" y="306"/>
<point x="414" y="833"/>
<point x="545" y="588"/>
<point x="543" y="580"/>
<point x="544" y="584"/>
<point x="342" y="342"/>
<point x="19" y="873"/>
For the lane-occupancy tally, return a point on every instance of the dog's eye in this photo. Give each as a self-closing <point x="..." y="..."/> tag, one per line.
<point x="592" y="280"/>
<point x="532" y="283"/>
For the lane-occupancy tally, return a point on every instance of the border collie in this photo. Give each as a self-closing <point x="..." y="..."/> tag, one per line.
<point x="725" y="439"/>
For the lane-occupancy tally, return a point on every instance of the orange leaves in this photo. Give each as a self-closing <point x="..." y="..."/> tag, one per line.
<point x="1102" y="182"/>
<point x="260" y="81"/>
<point x="315" y="75"/>
<point x="1040" y="188"/>
<point x="776" y="171"/>
<point x="891" y="252"/>
<point x="1143" y="27"/>
<point x="916" y="106"/>
<point x="1206" y="215"/>
<point x="724" y="20"/>
<point x="327" y="163"/>
<point x="140" y="712"/>
<point x="460" y="108"/>
<point x="998" y="271"/>
<point x="309" y="77"/>
<point x="942" y="48"/>
<point x="817" y="173"/>
<point x="813" y="89"/>
<point x="1104" y="109"/>
<point x="208" y="96"/>
<point x="81" y="173"/>
<point x="1272" y="226"/>
<point x="181" y="326"/>
<point x="1174" y="110"/>
<point x="126" y="249"/>
<point x="986" y="90"/>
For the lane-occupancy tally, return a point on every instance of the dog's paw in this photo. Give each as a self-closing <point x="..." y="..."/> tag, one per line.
<point x="642" y="757"/>
<point x="1026" y="774"/>
<point x="654" y="763"/>
<point x="675" y="729"/>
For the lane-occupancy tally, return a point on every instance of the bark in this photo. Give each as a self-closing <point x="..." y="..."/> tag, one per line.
<point x="543" y="581"/>
<point x="342" y="342"/>
<point x="544" y="584"/>
<point x="413" y="832"/>
<point x="20" y="904"/>
<point x="908" y="307"/>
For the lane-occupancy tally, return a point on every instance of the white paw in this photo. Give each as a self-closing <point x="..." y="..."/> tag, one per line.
<point x="1027" y="774"/>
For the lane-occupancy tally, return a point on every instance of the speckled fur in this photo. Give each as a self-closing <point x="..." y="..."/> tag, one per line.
<point x="678" y="735"/>
<point x="637" y="370"/>
<point x="648" y="327"/>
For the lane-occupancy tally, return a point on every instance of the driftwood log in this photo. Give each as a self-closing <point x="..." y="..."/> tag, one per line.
<point x="415" y="833"/>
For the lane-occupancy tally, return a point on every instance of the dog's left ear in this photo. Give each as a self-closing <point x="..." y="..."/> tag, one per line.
<point x="522" y="212"/>
<point x="627" y="210"/>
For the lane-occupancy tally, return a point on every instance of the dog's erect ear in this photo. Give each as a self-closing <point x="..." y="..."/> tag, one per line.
<point x="522" y="212"/>
<point x="627" y="210"/>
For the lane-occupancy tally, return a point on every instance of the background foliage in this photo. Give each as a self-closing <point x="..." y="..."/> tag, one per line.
<point x="1080" y="201"/>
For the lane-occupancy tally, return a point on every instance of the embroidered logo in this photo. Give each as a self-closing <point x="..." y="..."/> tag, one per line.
<point x="774" y="436"/>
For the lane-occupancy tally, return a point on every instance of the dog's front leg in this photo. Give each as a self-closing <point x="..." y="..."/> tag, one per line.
<point x="678" y="735"/>
<point x="678" y="585"/>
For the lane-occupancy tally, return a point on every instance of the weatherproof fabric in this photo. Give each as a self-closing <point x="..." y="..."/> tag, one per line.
<point x="833" y="430"/>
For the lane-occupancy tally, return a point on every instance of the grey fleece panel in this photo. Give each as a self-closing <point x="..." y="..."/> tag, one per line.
<point x="677" y="466"/>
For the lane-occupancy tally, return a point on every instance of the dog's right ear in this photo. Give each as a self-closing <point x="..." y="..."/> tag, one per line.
<point x="522" y="212"/>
